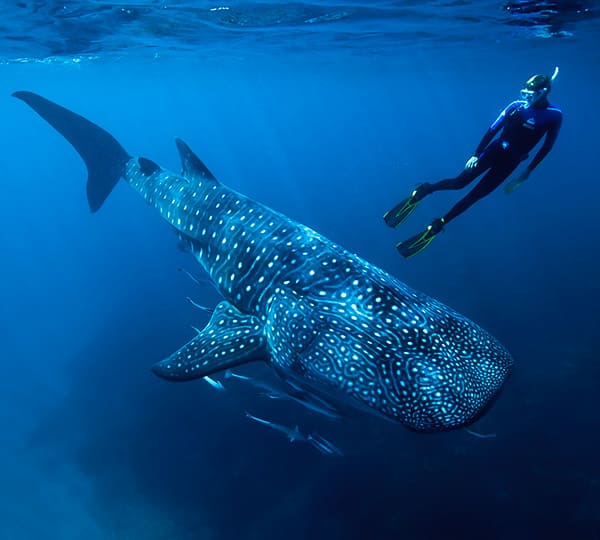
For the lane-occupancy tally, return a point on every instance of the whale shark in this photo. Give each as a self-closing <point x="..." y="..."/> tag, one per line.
<point x="323" y="318"/>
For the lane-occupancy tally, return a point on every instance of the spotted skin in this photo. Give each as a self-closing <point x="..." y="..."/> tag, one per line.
<point x="322" y="317"/>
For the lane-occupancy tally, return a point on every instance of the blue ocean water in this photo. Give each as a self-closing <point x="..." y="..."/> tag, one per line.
<point x="329" y="113"/>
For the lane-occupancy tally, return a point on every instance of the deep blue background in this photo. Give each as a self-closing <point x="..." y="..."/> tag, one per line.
<point x="92" y="445"/>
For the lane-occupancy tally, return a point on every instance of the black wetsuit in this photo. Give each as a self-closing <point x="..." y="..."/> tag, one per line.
<point x="523" y="129"/>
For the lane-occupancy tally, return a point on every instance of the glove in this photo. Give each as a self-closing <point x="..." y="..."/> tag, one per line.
<point x="471" y="163"/>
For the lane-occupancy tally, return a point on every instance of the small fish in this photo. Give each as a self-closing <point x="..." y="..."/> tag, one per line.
<point x="198" y="281"/>
<point x="481" y="435"/>
<point x="217" y="385"/>
<point x="302" y="397"/>
<point x="295" y="435"/>
<point x="205" y="309"/>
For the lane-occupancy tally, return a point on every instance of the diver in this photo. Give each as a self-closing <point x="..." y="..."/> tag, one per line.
<point x="523" y="122"/>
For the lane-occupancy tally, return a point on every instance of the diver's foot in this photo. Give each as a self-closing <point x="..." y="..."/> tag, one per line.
<point x="416" y="244"/>
<point x="437" y="225"/>
<point x="421" y="191"/>
<point x="405" y="208"/>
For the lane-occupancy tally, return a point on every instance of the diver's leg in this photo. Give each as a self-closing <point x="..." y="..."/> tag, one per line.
<point x="499" y="169"/>
<point x="494" y="177"/>
<point x="406" y="207"/>
<point x="488" y="159"/>
<point x="459" y="182"/>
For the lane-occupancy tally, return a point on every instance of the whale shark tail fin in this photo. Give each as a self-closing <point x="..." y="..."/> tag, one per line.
<point x="104" y="157"/>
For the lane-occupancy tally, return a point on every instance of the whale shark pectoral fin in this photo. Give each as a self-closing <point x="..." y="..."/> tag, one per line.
<point x="229" y="339"/>
<point x="191" y="163"/>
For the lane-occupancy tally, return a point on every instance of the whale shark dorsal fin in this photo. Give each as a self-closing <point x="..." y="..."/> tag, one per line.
<point x="191" y="163"/>
<point x="229" y="339"/>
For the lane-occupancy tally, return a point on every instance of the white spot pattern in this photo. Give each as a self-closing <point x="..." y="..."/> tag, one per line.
<point x="323" y="313"/>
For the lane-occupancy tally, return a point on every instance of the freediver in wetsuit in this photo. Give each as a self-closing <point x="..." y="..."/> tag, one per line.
<point x="523" y="123"/>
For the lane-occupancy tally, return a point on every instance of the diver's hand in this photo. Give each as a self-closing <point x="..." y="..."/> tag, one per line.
<point x="511" y="186"/>
<point x="514" y="184"/>
<point x="471" y="163"/>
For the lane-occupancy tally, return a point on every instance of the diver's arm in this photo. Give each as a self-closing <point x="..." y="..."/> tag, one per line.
<point x="485" y="140"/>
<point x="474" y="159"/>
<point x="549" y="141"/>
<point x="547" y="146"/>
<point x="491" y="133"/>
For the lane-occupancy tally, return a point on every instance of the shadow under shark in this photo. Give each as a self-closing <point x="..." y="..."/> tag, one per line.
<point x="320" y="316"/>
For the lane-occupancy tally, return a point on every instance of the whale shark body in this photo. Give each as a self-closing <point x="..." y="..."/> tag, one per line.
<point x="321" y="316"/>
